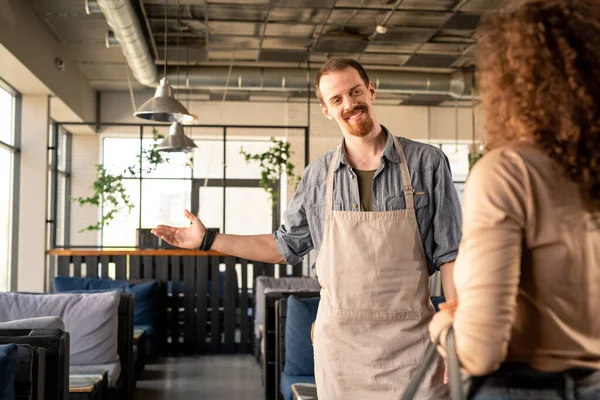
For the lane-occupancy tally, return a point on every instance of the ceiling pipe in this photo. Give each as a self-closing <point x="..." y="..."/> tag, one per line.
<point x="123" y="22"/>
<point x="457" y="84"/>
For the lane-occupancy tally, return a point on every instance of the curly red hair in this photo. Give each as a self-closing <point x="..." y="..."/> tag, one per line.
<point x="539" y="78"/>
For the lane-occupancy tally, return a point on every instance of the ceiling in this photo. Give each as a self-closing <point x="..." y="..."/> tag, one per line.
<point x="413" y="35"/>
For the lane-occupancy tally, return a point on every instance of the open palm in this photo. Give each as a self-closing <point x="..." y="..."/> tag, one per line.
<point x="187" y="238"/>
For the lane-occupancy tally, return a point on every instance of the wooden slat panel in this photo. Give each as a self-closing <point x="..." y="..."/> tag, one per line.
<point x="259" y="269"/>
<point x="297" y="270"/>
<point x="269" y="269"/>
<point x="120" y="265"/>
<point x="135" y="267"/>
<point x="189" y="291"/>
<point x="176" y="301"/>
<point x="162" y="269"/>
<point x="63" y="265"/>
<point x="91" y="263"/>
<point x="282" y="270"/>
<point x="244" y="309"/>
<point x="162" y="274"/>
<point x="148" y="271"/>
<point x="104" y="260"/>
<point x="229" y="303"/>
<point x="77" y="266"/>
<point x="201" y="303"/>
<point x="215" y="332"/>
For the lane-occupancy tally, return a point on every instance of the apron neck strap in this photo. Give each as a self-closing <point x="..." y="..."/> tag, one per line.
<point x="330" y="174"/>
<point x="407" y="187"/>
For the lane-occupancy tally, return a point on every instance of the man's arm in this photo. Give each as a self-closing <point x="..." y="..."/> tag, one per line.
<point x="288" y="244"/>
<point x="446" y="224"/>
<point x="251" y="247"/>
<point x="447" y="271"/>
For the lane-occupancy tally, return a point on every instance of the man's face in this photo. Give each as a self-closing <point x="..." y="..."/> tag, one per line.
<point x="347" y="100"/>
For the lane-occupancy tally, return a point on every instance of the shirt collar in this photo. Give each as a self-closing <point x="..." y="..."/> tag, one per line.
<point x="389" y="152"/>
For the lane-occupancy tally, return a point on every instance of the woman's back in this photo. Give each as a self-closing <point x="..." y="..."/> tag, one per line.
<point x="527" y="237"/>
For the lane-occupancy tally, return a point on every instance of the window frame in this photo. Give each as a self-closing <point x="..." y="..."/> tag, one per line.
<point x="14" y="185"/>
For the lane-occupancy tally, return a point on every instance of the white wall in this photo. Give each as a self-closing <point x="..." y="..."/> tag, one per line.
<point x="32" y="193"/>
<point x="28" y="50"/>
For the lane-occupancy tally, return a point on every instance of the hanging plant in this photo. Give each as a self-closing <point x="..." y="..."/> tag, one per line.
<point x="273" y="164"/>
<point x="109" y="191"/>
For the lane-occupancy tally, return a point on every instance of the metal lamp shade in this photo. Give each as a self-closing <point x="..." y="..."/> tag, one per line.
<point x="164" y="107"/>
<point x="176" y="141"/>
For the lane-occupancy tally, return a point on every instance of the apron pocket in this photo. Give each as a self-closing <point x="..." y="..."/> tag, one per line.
<point x="376" y="340"/>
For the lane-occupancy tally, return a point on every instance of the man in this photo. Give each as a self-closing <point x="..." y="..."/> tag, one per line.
<point x="383" y="214"/>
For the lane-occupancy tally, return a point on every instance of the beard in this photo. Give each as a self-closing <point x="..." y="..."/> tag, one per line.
<point x="362" y="127"/>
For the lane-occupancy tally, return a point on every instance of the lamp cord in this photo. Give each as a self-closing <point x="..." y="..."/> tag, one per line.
<point x="166" y="43"/>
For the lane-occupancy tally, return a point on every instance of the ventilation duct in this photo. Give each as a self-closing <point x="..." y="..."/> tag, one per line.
<point x="123" y="21"/>
<point x="457" y="84"/>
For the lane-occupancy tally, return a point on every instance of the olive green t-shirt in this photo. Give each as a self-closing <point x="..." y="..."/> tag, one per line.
<point x="365" y="189"/>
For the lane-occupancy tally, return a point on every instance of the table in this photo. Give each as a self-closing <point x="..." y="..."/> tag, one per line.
<point x="304" y="391"/>
<point x="90" y="386"/>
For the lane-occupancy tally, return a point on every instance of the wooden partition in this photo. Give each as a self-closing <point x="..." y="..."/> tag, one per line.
<point x="199" y="283"/>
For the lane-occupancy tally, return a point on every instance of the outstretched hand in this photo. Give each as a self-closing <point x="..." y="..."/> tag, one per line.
<point x="186" y="238"/>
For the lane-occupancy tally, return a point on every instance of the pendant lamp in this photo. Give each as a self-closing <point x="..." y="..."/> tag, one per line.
<point x="163" y="107"/>
<point x="176" y="141"/>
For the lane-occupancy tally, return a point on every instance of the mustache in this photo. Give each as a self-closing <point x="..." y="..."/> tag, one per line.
<point x="358" y="107"/>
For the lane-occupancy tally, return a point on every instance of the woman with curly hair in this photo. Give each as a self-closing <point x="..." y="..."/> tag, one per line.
<point x="527" y="319"/>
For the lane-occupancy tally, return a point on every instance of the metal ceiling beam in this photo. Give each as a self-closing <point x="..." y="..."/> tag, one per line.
<point x="150" y="33"/>
<point x="454" y="11"/>
<point x="206" y="33"/>
<point x="316" y="38"/>
<point x="264" y="29"/>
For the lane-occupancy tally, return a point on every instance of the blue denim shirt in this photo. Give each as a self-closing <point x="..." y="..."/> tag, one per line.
<point x="436" y="201"/>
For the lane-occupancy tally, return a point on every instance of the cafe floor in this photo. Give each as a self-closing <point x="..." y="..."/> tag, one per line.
<point x="236" y="377"/>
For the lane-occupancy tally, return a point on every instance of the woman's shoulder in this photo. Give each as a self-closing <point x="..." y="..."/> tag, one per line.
<point x="513" y="159"/>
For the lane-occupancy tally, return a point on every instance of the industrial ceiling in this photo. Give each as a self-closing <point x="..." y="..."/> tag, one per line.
<point x="391" y="36"/>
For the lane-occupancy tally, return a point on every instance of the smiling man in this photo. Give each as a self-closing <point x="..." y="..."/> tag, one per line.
<point x="383" y="214"/>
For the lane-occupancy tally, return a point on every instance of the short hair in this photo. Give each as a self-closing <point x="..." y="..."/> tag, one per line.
<point x="339" y="64"/>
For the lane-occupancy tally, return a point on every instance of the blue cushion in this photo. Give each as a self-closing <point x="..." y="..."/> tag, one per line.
<point x="69" y="284"/>
<point x="299" y="357"/>
<point x="145" y="294"/>
<point x="287" y="381"/>
<point x="436" y="302"/>
<point x="8" y="370"/>
<point x="146" y="303"/>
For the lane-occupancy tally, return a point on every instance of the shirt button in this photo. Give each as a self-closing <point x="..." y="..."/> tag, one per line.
<point x="352" y="177"/>
<point x="354" y="205"/>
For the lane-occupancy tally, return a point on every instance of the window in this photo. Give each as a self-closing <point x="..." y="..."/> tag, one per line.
<point x="161" y="196"/>
<point x="165" y="191"/>
<point x="9" y="156"/>
<point x="59" y="185"/>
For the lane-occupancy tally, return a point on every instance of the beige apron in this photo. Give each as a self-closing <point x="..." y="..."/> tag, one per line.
<point x="371" y="328"/>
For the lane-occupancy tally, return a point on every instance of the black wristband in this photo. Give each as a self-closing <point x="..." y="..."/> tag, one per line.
<point x="202" y="244"/>
<point x="210" y="240"/>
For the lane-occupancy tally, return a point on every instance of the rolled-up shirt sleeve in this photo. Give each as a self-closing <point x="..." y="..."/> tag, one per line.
<point x="293" y="237"/>
<point x="447" y="219"/>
